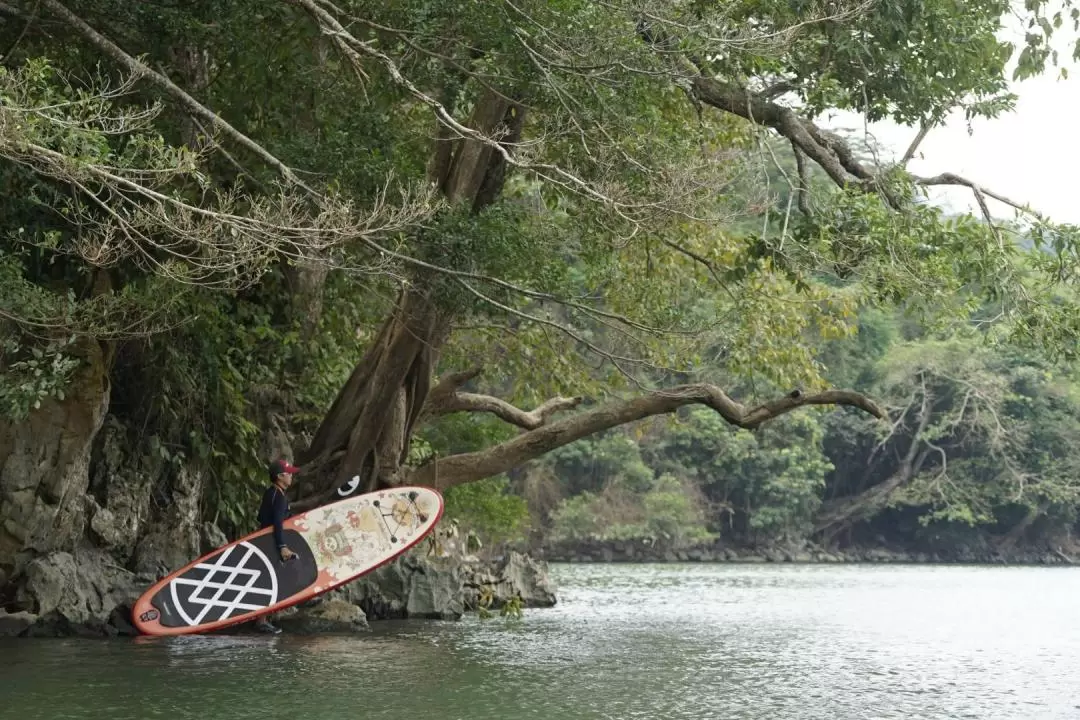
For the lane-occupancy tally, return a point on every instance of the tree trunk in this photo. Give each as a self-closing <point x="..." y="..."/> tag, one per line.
<point x="367" y="429"/>
<point x="838" y="515"/>
<point x="843" y="514"/>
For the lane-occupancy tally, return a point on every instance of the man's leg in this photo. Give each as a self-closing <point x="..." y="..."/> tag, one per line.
<point x="263" y="624"/>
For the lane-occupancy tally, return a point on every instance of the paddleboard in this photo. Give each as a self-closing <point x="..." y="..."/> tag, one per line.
<point x="247" y="578"/>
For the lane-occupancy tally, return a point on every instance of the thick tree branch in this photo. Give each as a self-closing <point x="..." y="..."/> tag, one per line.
<point x="473" y="402"/>
<point x="446" y="398"/>
<point x="469" y="467"/>
<point x="825" y="148"/>
<point x="760" y="111"/>
<point x="449" y="384"/>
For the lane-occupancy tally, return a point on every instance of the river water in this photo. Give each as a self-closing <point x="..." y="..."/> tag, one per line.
<point x="737" y="642"/>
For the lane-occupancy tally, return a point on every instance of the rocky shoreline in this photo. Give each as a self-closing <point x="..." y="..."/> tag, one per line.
<point x="623" y="551"/>
<point x="85" y="594"/>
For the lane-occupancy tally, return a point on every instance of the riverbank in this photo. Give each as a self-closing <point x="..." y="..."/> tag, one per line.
<point x="640" y="551"/>
<point x="85" y="595"/>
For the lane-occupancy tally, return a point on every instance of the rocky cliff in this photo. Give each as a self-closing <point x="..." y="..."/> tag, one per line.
<point x="87" y="524"/>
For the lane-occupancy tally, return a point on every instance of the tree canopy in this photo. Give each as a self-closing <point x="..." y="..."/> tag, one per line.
<point x="349" y="223"/>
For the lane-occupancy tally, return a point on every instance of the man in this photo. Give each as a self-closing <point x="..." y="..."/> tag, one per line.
<point x="272" y="512"/>
<point x="275" y="504"/>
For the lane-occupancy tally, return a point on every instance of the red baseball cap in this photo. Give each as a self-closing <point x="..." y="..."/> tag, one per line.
<point x="282" y="465"/>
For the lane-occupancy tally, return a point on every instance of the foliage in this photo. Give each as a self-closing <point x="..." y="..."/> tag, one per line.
<point x="991" y="430"/>
<point x="42" y="373"/>
<point x="487" y="508"/>
<point x="668" y="515"/>
<point x="237" y="250"/>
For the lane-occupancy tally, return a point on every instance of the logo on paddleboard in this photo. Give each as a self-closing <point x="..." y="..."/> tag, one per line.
<point x="239" y="580"/>
<point x="149" y="616"/>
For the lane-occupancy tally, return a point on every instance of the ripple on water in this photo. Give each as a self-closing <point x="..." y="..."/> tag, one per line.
<point x="650" y="641"/>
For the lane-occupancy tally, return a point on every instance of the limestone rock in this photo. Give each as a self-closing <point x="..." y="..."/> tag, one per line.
<point x="173" y="538"/>
<point x="212" y="538"/>
<point x="44" y="464"/>
<point x="515" y="575"/>
<point x="331" y="616"/>
<point x="412" y="586"/>
<point x="13" y="624"/>
<point x="104" y="528"/>
<point x="73" y="596"/>
<point x="120" y="481"/>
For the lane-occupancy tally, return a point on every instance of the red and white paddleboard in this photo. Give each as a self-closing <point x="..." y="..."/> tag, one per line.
<point x="247" y="578"/>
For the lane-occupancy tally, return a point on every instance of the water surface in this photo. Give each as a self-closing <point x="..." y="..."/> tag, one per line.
<point x="739" y="642"/>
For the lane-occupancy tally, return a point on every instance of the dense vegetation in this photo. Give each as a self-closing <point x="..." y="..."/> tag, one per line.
<point x="369" y="234"/>
<point x="982" y="454"/>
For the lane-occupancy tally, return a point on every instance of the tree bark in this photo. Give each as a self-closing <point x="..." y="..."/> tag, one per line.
<point x="446" y="398"/>
<point x="1009" y="539"/>
<point x="843" y="514"/>
<point x="469" y="467"/>
<point x="367" y="429"/>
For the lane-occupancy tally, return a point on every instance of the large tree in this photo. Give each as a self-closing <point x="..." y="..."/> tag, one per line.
<point x="525" y="187"/>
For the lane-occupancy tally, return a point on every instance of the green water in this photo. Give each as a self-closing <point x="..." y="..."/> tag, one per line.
<point x="679" y="641"/>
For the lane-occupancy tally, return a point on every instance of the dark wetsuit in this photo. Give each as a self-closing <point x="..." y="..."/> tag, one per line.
<point x="273" y="511"/>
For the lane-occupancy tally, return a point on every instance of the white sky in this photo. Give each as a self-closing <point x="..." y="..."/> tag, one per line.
<point x="1029" y="155"/>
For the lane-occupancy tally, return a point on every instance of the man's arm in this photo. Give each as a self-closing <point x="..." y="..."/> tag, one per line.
<point x="279" y="508"/>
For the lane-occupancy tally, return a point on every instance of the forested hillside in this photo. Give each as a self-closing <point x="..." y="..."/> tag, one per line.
<point x="980" y="451"/>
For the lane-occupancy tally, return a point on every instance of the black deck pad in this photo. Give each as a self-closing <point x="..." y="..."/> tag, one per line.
<point x="237" y="580"/>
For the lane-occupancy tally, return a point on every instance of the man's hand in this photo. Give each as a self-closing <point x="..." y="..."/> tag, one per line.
<point x="287" y="554"/>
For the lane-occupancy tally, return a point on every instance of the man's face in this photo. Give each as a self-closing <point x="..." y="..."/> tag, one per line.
<point x="285" y="480"/>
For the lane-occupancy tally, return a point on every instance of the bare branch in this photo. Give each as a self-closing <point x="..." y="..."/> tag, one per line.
<point x="825" y="148"/>
<point x="954" y="179"/>
<point x="914" y="146"/>
<point x="129" y="208"/>
<point x="803" y="188"/>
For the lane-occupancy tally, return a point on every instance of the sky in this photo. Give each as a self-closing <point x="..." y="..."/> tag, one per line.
<point x="1030" y="155"/>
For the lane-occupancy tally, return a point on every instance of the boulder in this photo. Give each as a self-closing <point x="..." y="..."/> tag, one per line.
<point x="330" y="616"/>
<point x="514" y="575"/>
<point x="76" y="594"/>
<point x="14" y="624"/>
<point x="412" y="586"/>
